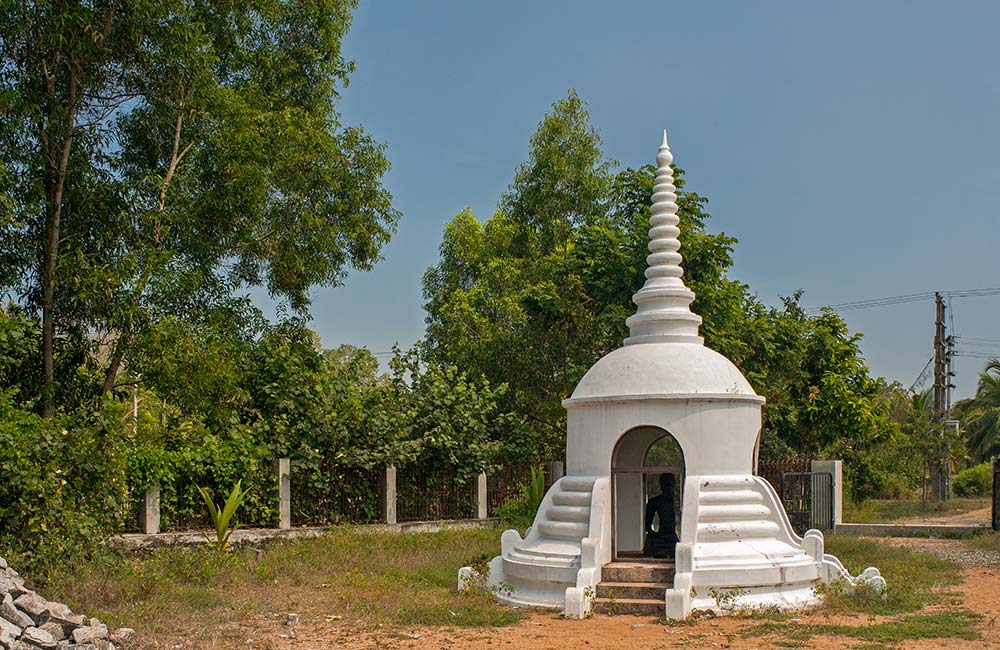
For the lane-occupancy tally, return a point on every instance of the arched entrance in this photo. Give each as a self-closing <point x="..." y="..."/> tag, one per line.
<point x="640" y="456"/>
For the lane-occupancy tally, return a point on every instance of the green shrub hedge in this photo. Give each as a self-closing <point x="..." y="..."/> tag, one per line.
<point x="64" y="480"/>
<point x="974" y="482"/>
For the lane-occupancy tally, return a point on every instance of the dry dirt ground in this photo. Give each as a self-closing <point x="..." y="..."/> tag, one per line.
<point x="979" y="516"/>
<point x="543" y="630"/>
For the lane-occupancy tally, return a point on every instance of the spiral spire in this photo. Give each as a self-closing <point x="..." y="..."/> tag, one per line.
<point x="664" y="304"/>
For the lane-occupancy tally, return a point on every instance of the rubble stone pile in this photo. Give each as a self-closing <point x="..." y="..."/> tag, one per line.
<point x="29" y="622"/>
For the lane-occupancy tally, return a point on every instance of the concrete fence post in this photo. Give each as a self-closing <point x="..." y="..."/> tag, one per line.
<point x="389" y="495"/>
<point x="835" y="469"/>
<point x="282" y="468"/>
<point x="554" y="470"/>
<point x="151" y="510"/>
<point x="481" y="497"/>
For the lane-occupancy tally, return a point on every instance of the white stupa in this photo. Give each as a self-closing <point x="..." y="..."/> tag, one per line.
<point x="662" y="388"/>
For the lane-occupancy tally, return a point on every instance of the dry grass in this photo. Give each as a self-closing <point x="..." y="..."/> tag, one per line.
<point x="359" y="577"/>
<point x="875" y="511"/>
<point x="364" y="580"/>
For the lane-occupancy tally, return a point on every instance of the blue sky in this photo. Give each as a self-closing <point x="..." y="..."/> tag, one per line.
<point x="851" y="147"/>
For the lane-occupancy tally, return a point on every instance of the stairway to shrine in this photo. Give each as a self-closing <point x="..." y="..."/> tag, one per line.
<point x="634" y="587"/>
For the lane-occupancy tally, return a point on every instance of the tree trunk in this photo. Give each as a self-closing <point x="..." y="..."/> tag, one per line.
<point x="114" y="364"/>
<point x="56" y="173"/>
<point x="48" y="302"/>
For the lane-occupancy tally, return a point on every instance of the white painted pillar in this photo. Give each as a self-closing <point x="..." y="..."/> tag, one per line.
<point x="480" y="496"/>
<point x="282" y="467"/>
<point x="151" y="510"/>
<point x="389" y="495"/>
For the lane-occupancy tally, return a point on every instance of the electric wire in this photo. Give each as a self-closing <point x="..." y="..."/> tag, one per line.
<point x="906" y="298"/>
<point x="922" y="377"/>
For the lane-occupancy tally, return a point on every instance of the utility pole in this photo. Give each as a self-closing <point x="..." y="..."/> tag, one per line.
<point x="939" y="358"/>
<point x="941" y="466"/>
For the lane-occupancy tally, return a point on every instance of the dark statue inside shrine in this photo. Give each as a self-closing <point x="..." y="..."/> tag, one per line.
<point x="660" y="541"/>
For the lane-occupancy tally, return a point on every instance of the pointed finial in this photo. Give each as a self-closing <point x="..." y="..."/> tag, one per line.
<point x="664" y="157"/>
<point x="664" y="314"/>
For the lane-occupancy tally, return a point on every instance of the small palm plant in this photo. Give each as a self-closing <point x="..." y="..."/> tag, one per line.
<point x="533" y="491"/>
<point x="222" y="516"/>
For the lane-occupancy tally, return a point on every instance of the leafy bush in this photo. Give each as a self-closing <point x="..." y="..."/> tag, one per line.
<point x="519" y="511"/>
<point x="63" y="486"/>
<point x="974" y="482"/>
<point x="214" y="461"/>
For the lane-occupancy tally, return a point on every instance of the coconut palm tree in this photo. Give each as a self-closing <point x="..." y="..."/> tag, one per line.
<point x="982" y="414"/>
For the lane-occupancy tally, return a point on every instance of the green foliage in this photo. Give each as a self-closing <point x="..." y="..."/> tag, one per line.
<point x="534" y="295"/>
<point x="63" y="482"/>
<point x="211" y="460"/>
<point x="519" y="511"/>
<point x="914" y="579"/>
<point x="534" y="490"/>
<point x="438" y="416"/>
<point x="975" y="481"/>
<point x="981" y="414"/>
<point x="21" y="364"/>
<point x="222" y="517"/>
<point x="328" y="411"/>
<point x="159" y="156"/>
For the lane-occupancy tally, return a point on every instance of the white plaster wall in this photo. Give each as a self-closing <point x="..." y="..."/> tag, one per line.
<point x="716" y="435"/>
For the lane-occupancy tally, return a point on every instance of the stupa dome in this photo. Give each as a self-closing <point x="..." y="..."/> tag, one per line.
<point x="664" y="371"/>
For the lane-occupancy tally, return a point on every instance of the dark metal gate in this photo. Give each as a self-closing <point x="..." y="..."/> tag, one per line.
<point x="996" y="494"/>
<point x="808" y="500"/>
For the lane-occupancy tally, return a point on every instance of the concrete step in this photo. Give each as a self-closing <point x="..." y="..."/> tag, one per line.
<point x="577" y="483"/>
<point x="730" y="496"/>
<point x="716" y="483"/>
<point x="564" y="529"/>
<point x="568" y="513"/>
<point x="733" y="512"/>
<point x="542" y="559"/>
<point x="633" y="590"/>
<point x="634" y="606"/>
<point x="571" y="499"/>
<point x="750" y="529"/>
<point x="648" y="572"/>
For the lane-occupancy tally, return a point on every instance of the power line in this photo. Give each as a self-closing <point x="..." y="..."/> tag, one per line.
<point x="905" y="298"/>
<point x="922" y="377"/>
<point x="876" y="302"/>
<point x="973" y="339"/>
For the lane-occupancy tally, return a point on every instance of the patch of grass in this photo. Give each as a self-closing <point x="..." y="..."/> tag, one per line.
<point x="987" y="541"/>
<point x="362" y="577"/>
<point x="876" y="511"/>
<point x="913" y="579"/>
<point x="950" y="624"/>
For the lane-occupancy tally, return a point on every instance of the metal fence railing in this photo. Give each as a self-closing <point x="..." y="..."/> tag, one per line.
<point x="426" y="495"/>
<point x="345" y="495"/>
<point x="808" y="500"/>
<point x="772" y="470"/>
<point x="354" y="497"/>
<point x="504" y="484"/>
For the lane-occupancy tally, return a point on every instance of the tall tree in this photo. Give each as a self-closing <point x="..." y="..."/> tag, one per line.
<point x="541" y="290"/>
<point x="162" y="154"/>
<point x="533" y="296"/>
<point x="981" y="413"/>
